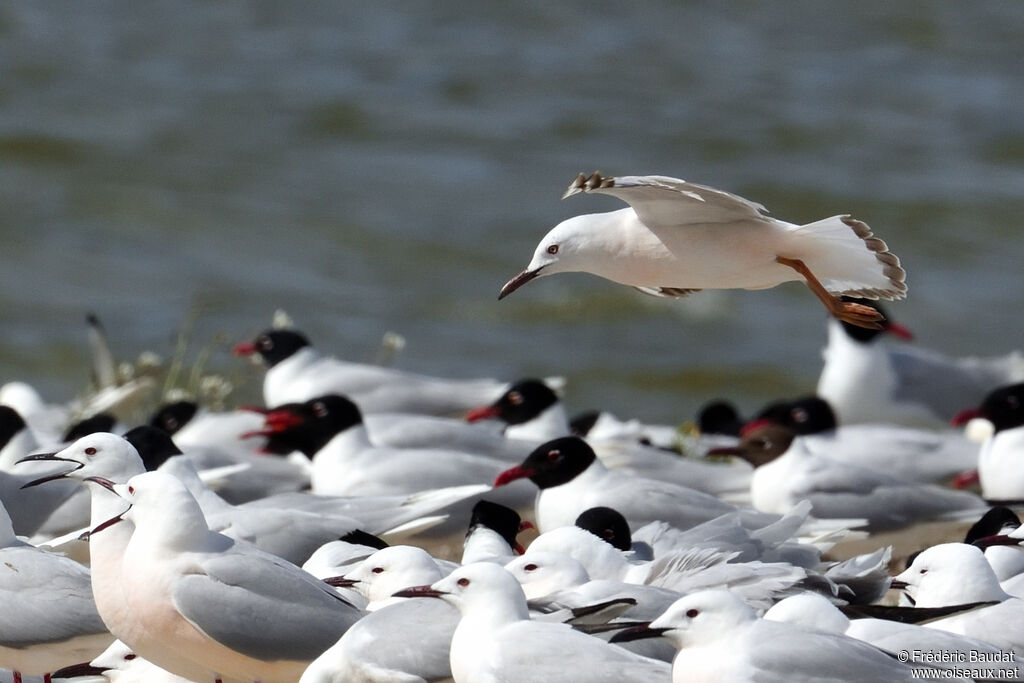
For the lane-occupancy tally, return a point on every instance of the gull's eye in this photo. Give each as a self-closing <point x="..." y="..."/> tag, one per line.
<point x="515" y="398"/>
<point x="377" y="570"/>
<point x="129" y="657"/>
<point x="530" y="567"/>
<point x="265" y="343"/>
<point x="691" y="613"/>
<point x="319" y="409"/>
<point x="554" y="455"/>
<point x="924" y="571"/>
<point x="463" y="582"/>
<point x="131" y="490"/>
<point x="90" y="451"/>
<point x="553" y="249"/>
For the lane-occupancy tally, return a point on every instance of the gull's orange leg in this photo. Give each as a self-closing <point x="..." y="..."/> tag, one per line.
<point x="847" y="311"/>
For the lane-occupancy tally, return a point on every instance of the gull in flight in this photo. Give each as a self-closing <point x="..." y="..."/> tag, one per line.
<point x="676" y="238"/>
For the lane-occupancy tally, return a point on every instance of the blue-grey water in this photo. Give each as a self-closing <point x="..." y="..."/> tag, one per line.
<point x="387" y="166"/>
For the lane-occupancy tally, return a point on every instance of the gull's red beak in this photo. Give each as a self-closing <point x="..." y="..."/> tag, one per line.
<point x="513" y="473"/>
<point x="966" y="479"/>
<point x="244" y="349"/>
<point x="899" y="331"/>
<point x="752" y="426"/>
<point x="482" y="413"/>
<point x="275" y="422"/>
<point x="965" y="416"/>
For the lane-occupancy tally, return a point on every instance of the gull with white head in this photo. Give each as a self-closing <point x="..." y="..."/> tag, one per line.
<point x="958" y="574"/>
<point x="721" y="638"/>
<point x="496" y="640"/>
<point x="48" y="619"/>
<point x="399" y="640"/>
<point x="196" y="599"/>
<point x="676" y="238"/>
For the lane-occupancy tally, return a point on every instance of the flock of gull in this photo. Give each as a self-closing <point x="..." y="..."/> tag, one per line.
<point x="367" y="524"/>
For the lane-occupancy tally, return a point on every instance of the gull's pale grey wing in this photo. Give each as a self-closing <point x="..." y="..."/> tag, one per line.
<point x="45" y="599"/>
<point x="262" y="606"/>
<point x="531" y="651"/>
<point x="289" y="534"/>
<point x="662" y="202"/>
<point x="837" y="490"/>
<point x="412" y="636"/>
<point x="651" y="499"/>
<point x="798" y="654"/>
<point x="945" y="385"/>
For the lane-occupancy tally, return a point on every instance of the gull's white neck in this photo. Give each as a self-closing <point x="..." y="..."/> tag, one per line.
<point x="552" y="423"/>
<point x="560" y="505"/>
<point x="487" y="545"/>
<point x="275" y="383"/>
<point x="478" y="628"/>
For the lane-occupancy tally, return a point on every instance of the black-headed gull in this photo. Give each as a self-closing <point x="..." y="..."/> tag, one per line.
<point x="291" y="524"/>
<point x="787" y="472"/>
<point x="30" y="511"/>
<point x="48" y="620"/>
<point x="297" y="372"/>
<point x="196" y="598"/>
<point x="572" y="479"/>
<point x="721" y="638"/>
<point x="958" y="574"/>
<point x="496" y="640"/>
<point x="676" y="238"/>
<point x="530" y="409"/>
<point x="999" y="470"/>
<point x="330" y="430"/>
<point x="914" y="454"/>
<point x="193" y="426"/>
<point x="101" y="422"/>
<point x="46" y="420"/>
<point x="491" y="536"/>
<point x="867" y="380"/>
<point x="534" y="413"/>
<point x="246" y="476"/>
<point x="1007" y="561"/>
<point x="601" y="425"/>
